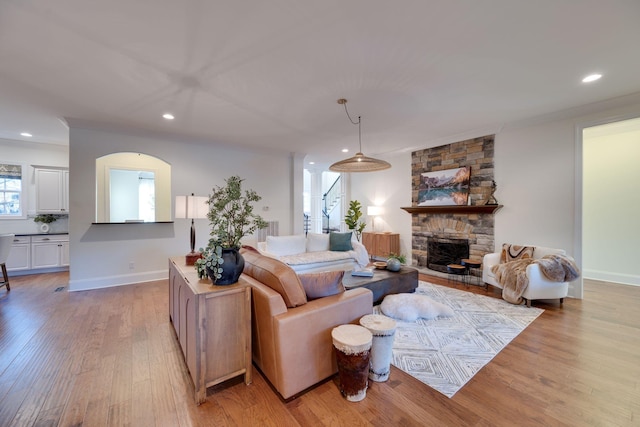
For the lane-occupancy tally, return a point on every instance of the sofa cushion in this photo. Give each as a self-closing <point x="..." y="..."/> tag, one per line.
<point x="286" y="245"/>
<point x="319" y="285"/>
<point x="317" y="242"/>
<point x="340" y="241"/>
<point x="274" y="274"/>
<point x="513" y="252"/>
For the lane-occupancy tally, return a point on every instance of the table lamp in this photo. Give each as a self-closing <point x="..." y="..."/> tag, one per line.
<point x="374" y="211"/>
<point x="192" y="207"/>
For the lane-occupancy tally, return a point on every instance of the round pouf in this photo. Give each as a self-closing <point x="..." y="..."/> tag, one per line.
<point x="352" y="345"/>
<point x="383" y="330"/>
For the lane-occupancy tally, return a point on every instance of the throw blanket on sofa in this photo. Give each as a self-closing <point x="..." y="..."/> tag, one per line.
<point x="512" y="276"/>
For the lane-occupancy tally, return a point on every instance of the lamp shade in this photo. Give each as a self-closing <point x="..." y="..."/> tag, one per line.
<point x="191" y="207"/>
<point x="374" y="210"/>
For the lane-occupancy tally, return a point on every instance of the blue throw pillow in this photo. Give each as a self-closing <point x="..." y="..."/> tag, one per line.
<point x="340" y="242"/>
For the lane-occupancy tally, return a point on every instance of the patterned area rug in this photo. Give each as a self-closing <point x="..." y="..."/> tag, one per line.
<point x="445" y="353"/>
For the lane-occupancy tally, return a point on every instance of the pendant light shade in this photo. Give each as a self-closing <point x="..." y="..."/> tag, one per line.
<point x="359" y="162"/>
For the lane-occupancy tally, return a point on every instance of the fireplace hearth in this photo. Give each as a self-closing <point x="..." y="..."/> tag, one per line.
<point x="443" y="251"/>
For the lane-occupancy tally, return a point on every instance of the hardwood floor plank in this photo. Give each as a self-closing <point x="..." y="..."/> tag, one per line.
<point x="110" y="357"/>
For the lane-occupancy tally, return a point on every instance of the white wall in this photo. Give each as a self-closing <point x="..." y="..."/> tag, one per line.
<point x="611" y="206"/>
<point x="29" y="154"/>
<point x="100" y="255"/>
<point x="539" y="179"/>
<point x="390" y="189"/>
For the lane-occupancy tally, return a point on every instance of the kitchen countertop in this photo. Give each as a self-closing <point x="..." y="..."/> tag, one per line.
<point x="42" y="234"/>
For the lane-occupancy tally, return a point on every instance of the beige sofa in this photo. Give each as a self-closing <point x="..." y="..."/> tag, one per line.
<point x="291" y="336"/>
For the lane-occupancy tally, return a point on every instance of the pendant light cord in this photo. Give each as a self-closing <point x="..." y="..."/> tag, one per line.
<point x="355" y="123"/>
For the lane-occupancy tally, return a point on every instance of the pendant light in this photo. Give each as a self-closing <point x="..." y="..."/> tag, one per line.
<point x="359" y="162"/>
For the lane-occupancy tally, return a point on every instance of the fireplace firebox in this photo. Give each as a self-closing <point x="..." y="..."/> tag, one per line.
<point x="443" y="251"/>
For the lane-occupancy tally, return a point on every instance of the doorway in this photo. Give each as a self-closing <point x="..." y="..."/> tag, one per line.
<point x="610" y="201"/>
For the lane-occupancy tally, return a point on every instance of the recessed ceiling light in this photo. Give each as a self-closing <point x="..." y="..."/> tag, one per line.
<point x="312" y="163"/>
<point x="591" y="78"/>
<point x="27" y="134"/>
<point x="345" y="150"/>
<point x="168" y="116"/>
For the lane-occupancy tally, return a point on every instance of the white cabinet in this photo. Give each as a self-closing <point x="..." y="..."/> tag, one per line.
<point x="49" y="251"/>
<point x="20" y="254"/>
<point x="52" y="190"/>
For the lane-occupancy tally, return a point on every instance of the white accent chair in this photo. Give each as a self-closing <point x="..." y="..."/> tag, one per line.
<point x="6" y="240"/>
<point x="539" y="286"/>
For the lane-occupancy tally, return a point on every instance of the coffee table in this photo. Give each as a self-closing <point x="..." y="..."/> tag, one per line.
<point x="384" y="282"/>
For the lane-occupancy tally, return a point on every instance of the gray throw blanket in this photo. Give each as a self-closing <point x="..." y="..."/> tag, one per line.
<point x="512" y="275"/>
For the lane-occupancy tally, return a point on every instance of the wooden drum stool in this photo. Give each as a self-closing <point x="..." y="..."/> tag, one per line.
<point x="383" y="329"/>
<point x="352" y="345"/>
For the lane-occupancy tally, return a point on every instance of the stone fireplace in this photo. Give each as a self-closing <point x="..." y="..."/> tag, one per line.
<point x="459" y="230"/>
<point x="442" y="251"/>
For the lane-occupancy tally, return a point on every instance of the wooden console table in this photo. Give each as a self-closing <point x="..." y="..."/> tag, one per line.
<point x="381" y="244"/>
<point x="213" y="326"/>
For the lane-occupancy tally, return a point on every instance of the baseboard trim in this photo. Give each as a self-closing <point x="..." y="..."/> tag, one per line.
<point x="607" y="276"/>
<point x="119" y="280"/>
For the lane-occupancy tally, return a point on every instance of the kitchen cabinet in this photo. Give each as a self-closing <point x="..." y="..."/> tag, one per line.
<point x="212" y="325"/>
<point x="49" y="251"/>
<point x="52" y="190"/>
<point x="381" y="244"/>
<point x="20" y="254"/>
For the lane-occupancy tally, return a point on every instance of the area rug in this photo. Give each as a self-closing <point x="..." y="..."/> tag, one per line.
<point x="445" y="353"/>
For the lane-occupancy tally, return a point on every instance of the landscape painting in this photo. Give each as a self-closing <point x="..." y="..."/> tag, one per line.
<point x="444" y="188"/>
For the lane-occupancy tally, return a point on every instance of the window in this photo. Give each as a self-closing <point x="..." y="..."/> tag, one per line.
<point x="12" y="198"/>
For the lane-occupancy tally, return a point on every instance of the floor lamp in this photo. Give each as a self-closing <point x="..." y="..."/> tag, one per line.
<point x="192" y="207"/>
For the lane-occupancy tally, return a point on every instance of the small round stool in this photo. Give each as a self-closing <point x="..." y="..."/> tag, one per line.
<point x="471" y="264"/>
<point x="383" y="329"/>
<point x="457" y="270"/>
<point x="352" y="345"/>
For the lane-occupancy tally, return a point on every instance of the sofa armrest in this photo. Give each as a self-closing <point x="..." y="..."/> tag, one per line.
<point x="302" y="337"/>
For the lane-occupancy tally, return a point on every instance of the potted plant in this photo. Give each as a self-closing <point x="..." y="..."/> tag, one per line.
<point x="46" y="219"/>
<point x="352" y="218"/>
<point x="231" y="217"/>
<point x="395" y="261"/>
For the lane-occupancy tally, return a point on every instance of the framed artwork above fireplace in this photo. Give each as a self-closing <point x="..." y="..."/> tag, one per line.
<point x="449" y="187"/>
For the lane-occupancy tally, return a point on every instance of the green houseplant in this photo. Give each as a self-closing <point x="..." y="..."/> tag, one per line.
<point x="352" y="218"/>
<point x="231" y="217"/>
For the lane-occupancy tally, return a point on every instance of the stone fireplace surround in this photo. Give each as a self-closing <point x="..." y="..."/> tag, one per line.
<point x="477" y="228"/>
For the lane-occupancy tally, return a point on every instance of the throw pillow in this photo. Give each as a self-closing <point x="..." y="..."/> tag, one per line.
<point x="340" y="242"/>
<point x="286" y="245"/>
<point x="513" y="252"/>
<point x="317" y="242"/>
<point x="318" y="285"/>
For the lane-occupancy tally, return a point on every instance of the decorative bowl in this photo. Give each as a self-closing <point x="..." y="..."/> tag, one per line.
<point x="380" y="264"/>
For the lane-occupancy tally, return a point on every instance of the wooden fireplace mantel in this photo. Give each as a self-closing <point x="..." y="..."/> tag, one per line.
<point x="480" y="209"/>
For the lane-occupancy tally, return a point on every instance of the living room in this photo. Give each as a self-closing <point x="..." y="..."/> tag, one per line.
<point x="111" y="255"/>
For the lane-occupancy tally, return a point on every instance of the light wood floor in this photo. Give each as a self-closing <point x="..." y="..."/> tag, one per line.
<point x="109" y="357"/>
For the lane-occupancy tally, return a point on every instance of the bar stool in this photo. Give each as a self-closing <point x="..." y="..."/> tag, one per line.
<point x="6" y="240"/>
<point x="457" y="272"/>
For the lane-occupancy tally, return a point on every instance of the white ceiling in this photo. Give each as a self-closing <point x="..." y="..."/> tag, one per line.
<point x="268" y="73"/>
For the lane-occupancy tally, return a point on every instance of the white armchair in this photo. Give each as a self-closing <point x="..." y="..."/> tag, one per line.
<point x="540" y="287"/>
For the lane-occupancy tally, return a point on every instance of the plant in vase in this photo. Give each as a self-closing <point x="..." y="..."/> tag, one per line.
<point x="395" y="261"/>
<point x="352" y="218"/>
<point x="231" y="217"/>
<point x="45" y="220"/>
